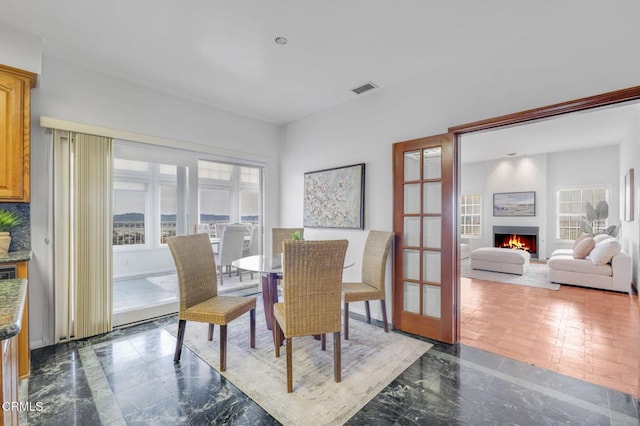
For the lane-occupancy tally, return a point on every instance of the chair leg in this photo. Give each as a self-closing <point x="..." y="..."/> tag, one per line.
<point x="223" y="347"/>
<point x="383" y="306"/>
<point x="210" y="336"/>
<point x="323" y="342"/>
<point x="368" y="311"/>
<point x="346" y="321"/>
<point x="289" y="366"/>
<point x="221" y="273"/>
<point x="337" y="357"/>
<point x="252" y="326"/>
<point x="181" y="326"/>
<point x="276" y="337"/>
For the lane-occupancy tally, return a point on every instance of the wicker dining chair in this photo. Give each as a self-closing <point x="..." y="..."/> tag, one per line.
<point x="198" y="291"/>
<point x="278" y="235"/>
<point x="374" y="263"/>
<point x="311" y="306"/>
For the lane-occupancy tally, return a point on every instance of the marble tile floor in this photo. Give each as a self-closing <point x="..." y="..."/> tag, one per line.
<point x="128" y="377"/>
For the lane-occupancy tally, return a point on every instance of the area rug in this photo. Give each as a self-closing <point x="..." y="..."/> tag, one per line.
<point x="371" y="359"/>
<point x="534" y="276"/>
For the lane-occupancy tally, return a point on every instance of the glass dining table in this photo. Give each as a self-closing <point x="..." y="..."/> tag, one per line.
<point x="270" y="268"/>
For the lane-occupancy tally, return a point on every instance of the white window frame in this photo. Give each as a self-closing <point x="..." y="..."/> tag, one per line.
<point x="581" y="189"/>
<point x="464" y="204"/>
<point x="234" y="186"/>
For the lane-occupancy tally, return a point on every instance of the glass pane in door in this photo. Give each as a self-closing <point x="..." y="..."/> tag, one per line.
<point x="411" y="235"/>
<point x="412" y="165"/>
<point x="411" y="297"/>
<point x="412" y="198"/>
<point x="431" y="266"/>
<point x="432" y="232"/>
<point x="432" y="163"/>
<point x="411" y="267"/>
<point x="432" y="198"/>
<point x="431" y="301"/>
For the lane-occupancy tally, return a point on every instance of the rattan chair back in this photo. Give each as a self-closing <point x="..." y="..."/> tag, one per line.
<point x="374" y="259"/>
<point x="278" y="235"/>
<point x="312" y="271"/>
<point x="196" y="268"/>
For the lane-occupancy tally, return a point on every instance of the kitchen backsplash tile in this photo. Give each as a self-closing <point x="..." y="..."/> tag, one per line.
<point x="21" y="235"/>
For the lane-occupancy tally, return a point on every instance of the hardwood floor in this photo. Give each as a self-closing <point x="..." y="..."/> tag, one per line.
<point x="583" y="333"/>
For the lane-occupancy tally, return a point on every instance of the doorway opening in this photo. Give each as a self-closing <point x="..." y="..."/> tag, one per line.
<point x="551" y="172"/>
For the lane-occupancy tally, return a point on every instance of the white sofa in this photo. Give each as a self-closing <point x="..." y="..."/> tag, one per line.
<point x="614" y="274"/>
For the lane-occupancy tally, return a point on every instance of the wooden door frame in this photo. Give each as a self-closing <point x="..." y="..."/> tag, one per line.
<point x="582" y="104"/>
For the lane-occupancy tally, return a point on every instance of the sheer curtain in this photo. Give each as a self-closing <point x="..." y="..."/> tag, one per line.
<point x="82" y="234"/>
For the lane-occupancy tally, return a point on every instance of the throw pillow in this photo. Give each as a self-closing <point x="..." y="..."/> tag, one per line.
<point x="583" y="248"/>
<point x="603" y="252"/>
<point x="580" y="238"/>
<point x="601" y="237"/>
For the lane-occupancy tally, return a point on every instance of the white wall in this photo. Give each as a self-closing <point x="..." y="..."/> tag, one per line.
<point x="364" y="129"/>
<point x="71" y="93"/>
<point x="507" y="175"/>
<point x="20" y="49"/>
<point x="587" y="167"/>
<point x="630" y="159"/>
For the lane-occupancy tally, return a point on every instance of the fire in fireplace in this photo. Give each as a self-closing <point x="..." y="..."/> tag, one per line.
<point x="520" y="242"/>
<point x="517" y="238"/>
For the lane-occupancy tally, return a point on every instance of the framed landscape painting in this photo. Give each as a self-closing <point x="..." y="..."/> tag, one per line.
<point x="514" y="204"/>
<point x="334" y="198"/>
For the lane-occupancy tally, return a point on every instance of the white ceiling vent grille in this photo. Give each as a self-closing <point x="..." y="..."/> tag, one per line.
<point x="364" y="88"/>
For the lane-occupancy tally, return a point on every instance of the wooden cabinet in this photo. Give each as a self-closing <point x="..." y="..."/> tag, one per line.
<point x="24" y="351"/>
<point x="15" y="96"/>
<point x="9" y="376"/>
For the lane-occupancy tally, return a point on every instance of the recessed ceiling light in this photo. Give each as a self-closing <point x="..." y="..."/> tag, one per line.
<point x="281" y="40"/>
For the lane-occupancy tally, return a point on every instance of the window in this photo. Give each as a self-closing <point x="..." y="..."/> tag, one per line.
<point x="130" y="202"/>
<point x="168" y="201"/>
<point x="145" y="202"/>
<point x="228" y="193"/>
<point x="471" y="215"/>
<point x="570" y="210"/>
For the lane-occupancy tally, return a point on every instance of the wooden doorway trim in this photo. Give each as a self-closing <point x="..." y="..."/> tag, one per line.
<point x="582" y="104"/>
<point x="604" y="99"/>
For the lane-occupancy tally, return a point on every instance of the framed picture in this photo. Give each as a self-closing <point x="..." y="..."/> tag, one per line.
<point x="334" y="198"/>
<point x="628" y="196"/>
<point x="514" y="204"/>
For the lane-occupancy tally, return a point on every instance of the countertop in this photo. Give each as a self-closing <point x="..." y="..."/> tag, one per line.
<point x="16" y="256"/>
<point x="12" y="296"/>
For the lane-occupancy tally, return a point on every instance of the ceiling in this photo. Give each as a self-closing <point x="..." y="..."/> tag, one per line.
<point x="579" y="130"/>
<point x="223" y="53"/>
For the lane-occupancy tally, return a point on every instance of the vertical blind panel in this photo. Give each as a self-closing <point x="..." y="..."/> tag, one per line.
<point x="92" y="234"/>
<point x="62" y="235"/>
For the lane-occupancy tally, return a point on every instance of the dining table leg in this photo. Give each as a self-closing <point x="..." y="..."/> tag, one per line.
<point x="267" y="300"/>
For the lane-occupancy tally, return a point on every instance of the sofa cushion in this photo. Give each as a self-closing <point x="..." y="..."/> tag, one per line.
<point x="584" y="266"/>
<point x="583" y="248"/>
<point x="580" y="238"/>
<point x="604" y="251"/>
<point x="557" y="252"/>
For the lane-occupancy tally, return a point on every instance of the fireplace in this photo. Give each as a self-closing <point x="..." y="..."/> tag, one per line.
<point x="517" y="237"/>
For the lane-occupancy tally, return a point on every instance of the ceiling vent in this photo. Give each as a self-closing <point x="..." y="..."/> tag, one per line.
<point x="364" y="88"/>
